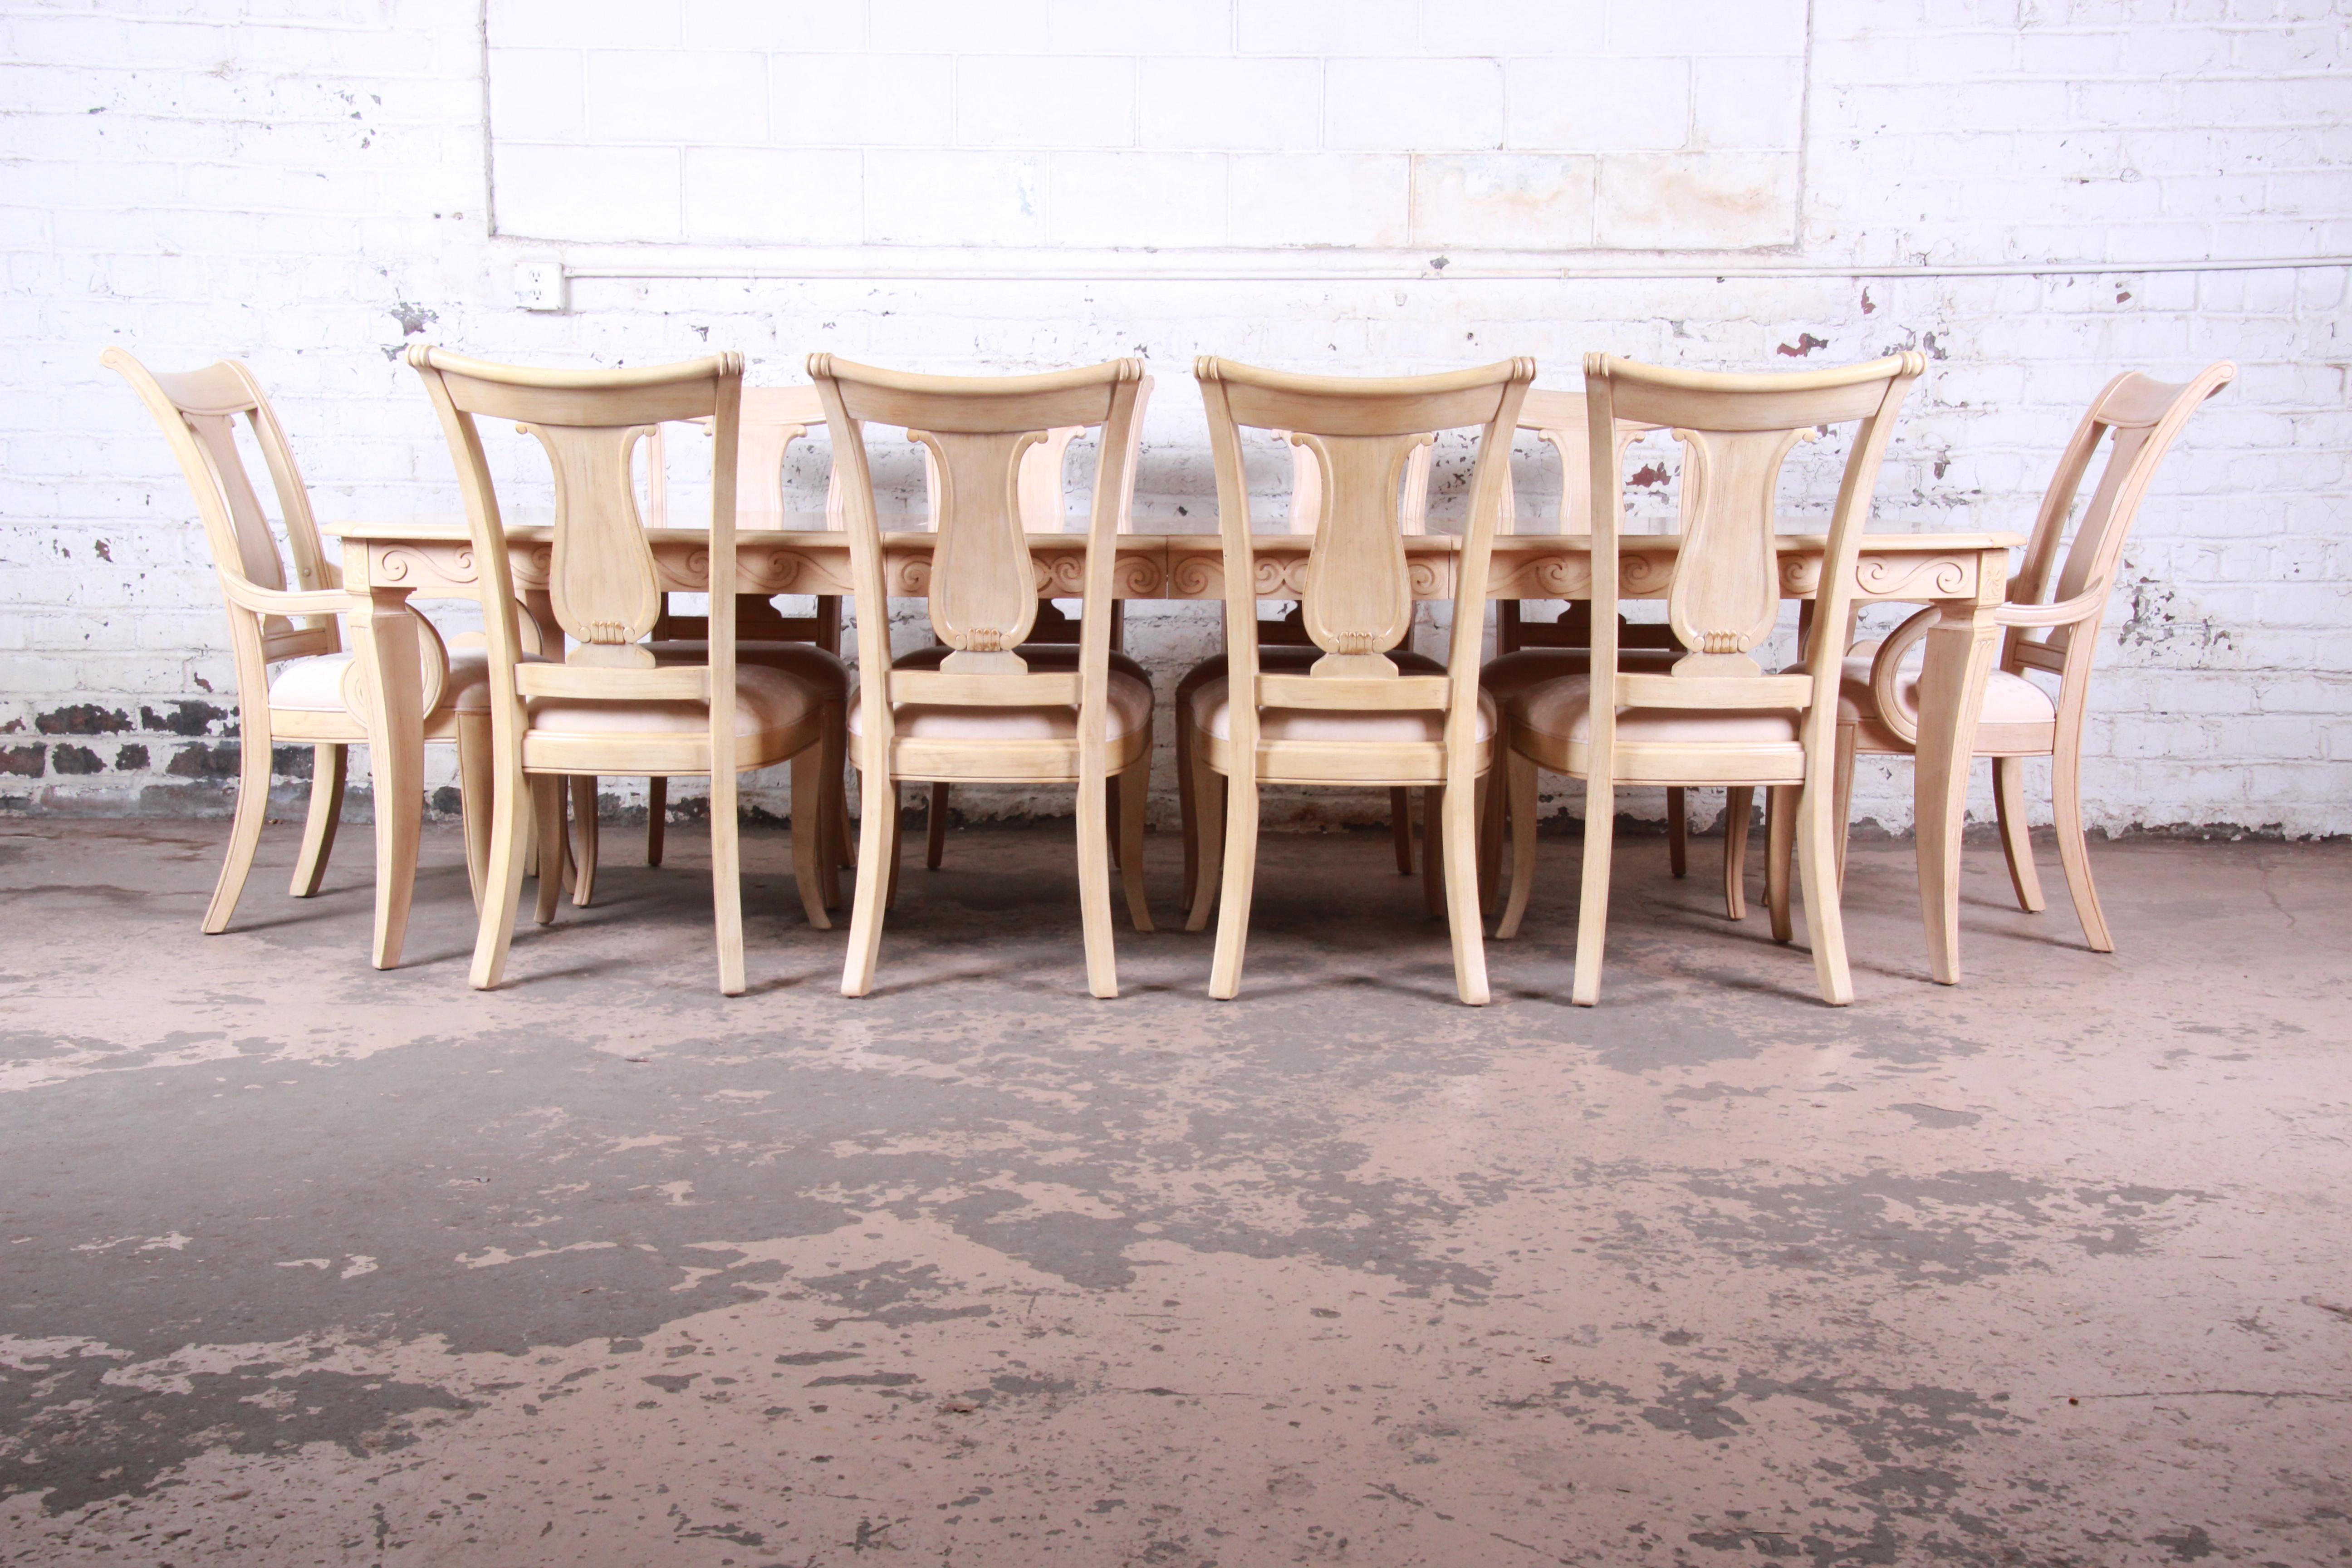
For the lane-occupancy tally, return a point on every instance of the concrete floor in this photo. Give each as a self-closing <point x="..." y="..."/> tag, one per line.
<point x="302" y="1263"/>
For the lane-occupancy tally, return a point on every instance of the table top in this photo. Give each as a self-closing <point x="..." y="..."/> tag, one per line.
<point x="450" y="528"/>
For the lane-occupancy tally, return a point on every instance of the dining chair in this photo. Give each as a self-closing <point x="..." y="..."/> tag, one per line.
<point x="984" y="715"/>
<point x="809" y="646"/>
<point x="608" y="706"/>
<point x="1285" y="648"/>
<point x="1717" y="717"/>
<point x="317" y="696"/>
<point x="2139" y="419"/>
<point x="1053" y="643"/>
<point x="1354" y="716"/>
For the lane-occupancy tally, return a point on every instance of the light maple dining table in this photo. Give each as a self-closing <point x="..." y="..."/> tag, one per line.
<point x="387" y="563"/>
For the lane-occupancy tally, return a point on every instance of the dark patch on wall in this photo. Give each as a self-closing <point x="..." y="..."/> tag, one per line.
<point x="25" y="760"/>
<point x="74" y="759"/>
<point x="1805" y="344"/>
<point x="130" y="759"/>
<point x="291" y="762"/>
<point x="218" y="762"/>
<point x="82" y="719"/>
<point x="187" y="717"/>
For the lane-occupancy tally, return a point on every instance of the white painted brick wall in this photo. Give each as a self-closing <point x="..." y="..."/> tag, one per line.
<point x="299" y="182"/>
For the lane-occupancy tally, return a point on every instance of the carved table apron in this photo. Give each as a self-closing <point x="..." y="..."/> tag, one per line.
<point x="1964" y="574"/>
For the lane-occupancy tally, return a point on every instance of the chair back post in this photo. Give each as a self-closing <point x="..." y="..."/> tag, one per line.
<point x="1239" y="557"/>
<point x="1490" y="503"/>
<point x="2140" y="419"/>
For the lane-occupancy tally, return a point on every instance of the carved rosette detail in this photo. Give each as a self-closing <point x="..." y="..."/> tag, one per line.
<point x="1645" y="575"/>
<point x="1135" y="576"/>
<point x="1200" y="576"/>
<point x="1275" y="578"/>
<point x="1426" y="577"/>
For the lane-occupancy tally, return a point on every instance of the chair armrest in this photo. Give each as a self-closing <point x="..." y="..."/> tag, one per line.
<point x="1895" y="715"/>
<point x="245" y="596"/>
<point x="2064" y="613"/>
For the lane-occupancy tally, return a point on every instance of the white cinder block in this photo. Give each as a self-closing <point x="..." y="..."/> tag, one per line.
<point x="1193" y="102"/>
<point x="1412" y="105"/>
<point x="1503" y="27"/>
<point x="1706" y="27"/>
<point x="1599" y="105"/>
<point x="771" y="197"/>
<point x="1327" y="28"/>
<point x="862" y="100"/>
<point x="587" y="193"/>
<point x="1138" y="198"/>
<point x="1325" y="198"/>
<point x="584" y="24"/>
<point x="538" y="95"/>
<point x="1502" y="201"/>
<point x="1044" y="100"/>
<point x="677" y="96"/>
<point x="1751" y="104"/>
<point x="956" y="198"/>
<point x="834" y="27"/>
<point x="1726" y="201"/>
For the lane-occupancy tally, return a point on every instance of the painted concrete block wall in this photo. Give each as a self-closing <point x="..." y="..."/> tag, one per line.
<point x="308" y="185"/>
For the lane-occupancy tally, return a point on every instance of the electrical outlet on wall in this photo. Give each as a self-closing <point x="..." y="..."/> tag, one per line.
<point x="538" y="285"/>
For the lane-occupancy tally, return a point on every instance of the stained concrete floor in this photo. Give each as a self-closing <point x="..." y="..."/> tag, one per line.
<point x="303" y="1263"/>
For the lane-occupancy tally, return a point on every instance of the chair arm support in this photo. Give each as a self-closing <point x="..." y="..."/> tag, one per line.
<point x="1895" y="715"/>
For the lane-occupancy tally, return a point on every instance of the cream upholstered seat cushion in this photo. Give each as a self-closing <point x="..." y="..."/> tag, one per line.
<point x="315" y="685"/>
<point x="2008" y="698"/>
<point x="1130" y="714"/>
<point x="802" y="660"/>
<point x="1211" y="714"/>
<point x="767" y="704"/>
<point x="1290" y="658"/>
<point x="1041" y="657"/>
<point x="1562" y="711"/>
<point x="1509" y="674"/>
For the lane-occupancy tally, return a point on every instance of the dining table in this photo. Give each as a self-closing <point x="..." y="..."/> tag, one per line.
<point x="388" y="563"/>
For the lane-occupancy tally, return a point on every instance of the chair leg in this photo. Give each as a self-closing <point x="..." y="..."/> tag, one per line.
<point x="1817" y="867"/>
<point x="330" y="766"/>
<point x="1188" y="811"/>
<point x="1209" y="791"/>
<point x="1110" y="817"/>
<point x="1400" y="828"/>
<point x="935" y="836"/>
<point x="897" y="842"/>
<point x="837" y="784"/>
<point x="1677" y="832"/>
<point x="727" y="879"/>
<point x="1134" y="791"/>
<point x="1739" y="805"/>
<point x="475" y="800"/>
<point x="812" y="855"/>
<point x="877" y="805"/>
<point x="1432" y="864"/>
<point x="1458" y="840"/>
<point x="1492" y="815"/>
<point x="1519" y="779"/>
<point x="2016" y="837"/>
<point x="657" y="818"/>
<point x="2074" y="852"/>
<point x="244" y="832"/>
<point x="1592" y="906"/>
<point x="508" y="805"/>
<point x="530" y="849"/>
<point x="547" y="808"/>
<point x="1779" y="839"/>
<point x="583" y="840"/>
<point x="1094" y="888"/>
<point x="1841" y="804"/>
<point x="1240" y="874"/>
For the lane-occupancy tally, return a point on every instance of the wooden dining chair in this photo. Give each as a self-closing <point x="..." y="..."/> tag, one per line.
<point x="808" y="646"/>
<point x="1053" y="643"/>
<point x="1717" y="717"/>
<point x="609" y="707"/>
<point x="984" y="715"/>
<point x="317" y="696"/>
<point x="1354" y="716"/>
<point x="2139" y="418"/>
<point x="1285" y="648"/>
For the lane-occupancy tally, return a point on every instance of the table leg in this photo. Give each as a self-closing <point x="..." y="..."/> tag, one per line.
<point x="383" y="632"/>
<point x="1960" y="658"/>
